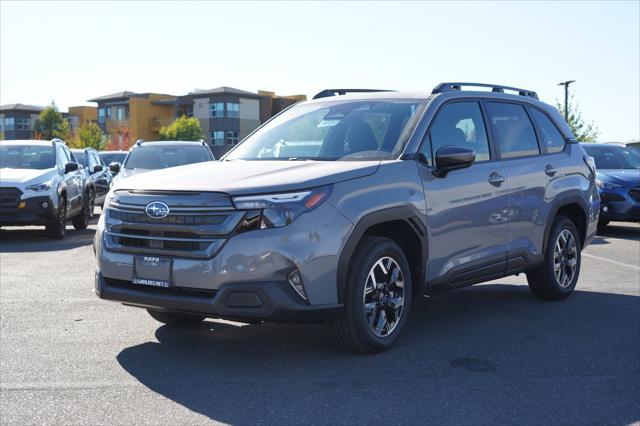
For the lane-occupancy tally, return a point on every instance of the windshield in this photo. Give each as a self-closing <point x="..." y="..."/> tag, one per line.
<point x="340" y="130"/>
<point x="27" y="157"/>
<point x="614" y="157"/>
<point x="81" y="156"/>
<point x="112" y="157"/>
<point x="162" y="157"/>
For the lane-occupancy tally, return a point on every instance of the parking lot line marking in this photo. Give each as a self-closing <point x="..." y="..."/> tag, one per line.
<point x="615" y="262"/>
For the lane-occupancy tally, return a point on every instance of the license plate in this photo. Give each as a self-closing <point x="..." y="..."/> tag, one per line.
<point x="152" y="271"/>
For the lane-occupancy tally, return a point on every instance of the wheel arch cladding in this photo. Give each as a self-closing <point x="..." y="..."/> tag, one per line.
<point x="400" y="224"/>
<point x="574" y="208"/>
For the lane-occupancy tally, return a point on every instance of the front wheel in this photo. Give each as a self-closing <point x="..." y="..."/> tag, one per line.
<point x="57" y="228"/>
<point x="556" y="278"/>
<point x="377" y="298"/>
<point x="175" y="318"/>
<point x="82" y="220"/>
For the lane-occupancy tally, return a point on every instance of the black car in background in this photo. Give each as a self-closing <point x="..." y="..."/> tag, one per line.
<point x="113" y="157"/>
<point x="618" y="180"/>
<point x="96" y="172"/>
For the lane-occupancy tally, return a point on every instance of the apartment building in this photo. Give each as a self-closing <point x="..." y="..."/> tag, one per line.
<point x="17" y="120"/>
<point x="129" y="116"/>
<point x="79" y="115"/>
<point x="227" y="115"/>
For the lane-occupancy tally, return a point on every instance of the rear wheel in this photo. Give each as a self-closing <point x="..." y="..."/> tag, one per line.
<point x="377" y="297"/>
<point x="556" y="278"/>
<point x="57" y="228"/>
<point x="175" y="318"/>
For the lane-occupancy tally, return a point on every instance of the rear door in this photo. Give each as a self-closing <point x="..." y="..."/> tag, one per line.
<point x="466" y="209"/>
<point x="528" y="175"/>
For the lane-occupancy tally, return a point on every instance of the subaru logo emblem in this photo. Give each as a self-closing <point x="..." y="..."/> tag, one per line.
<point x="157" y="209"/>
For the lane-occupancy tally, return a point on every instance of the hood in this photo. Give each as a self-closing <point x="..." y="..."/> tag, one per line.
<point x="13" y="177"/>
<point x="249" y="177"/>
<point x="625" y="177"/>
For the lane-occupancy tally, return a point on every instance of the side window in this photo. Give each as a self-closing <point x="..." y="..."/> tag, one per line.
<point x="512" y="130"/>
<point x="61" y="156"/>
<point x="458" y="124"/>
<point x="96" y="159"/>
<point x="549" y="133"/>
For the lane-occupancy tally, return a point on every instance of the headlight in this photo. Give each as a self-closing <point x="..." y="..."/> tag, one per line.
<point x="282" y="209"/>
<point x="44" y="186"/>
<point x="607" y="185"/>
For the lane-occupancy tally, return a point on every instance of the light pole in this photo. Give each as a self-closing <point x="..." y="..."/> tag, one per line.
<point x="566" y="97"/>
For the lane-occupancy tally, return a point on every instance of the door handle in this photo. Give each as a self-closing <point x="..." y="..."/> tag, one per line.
<point x="550" y="170"/>
<point x="496" y="179"/>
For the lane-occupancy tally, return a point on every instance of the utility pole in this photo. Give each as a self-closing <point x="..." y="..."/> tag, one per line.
<point x="566" y="97"/>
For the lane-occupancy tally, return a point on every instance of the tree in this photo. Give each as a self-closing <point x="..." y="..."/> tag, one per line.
<point x="51" y="124"/>
<point x="89" y="135"/>
<point x="583" y="131"/>
<point x="182" y="129"/>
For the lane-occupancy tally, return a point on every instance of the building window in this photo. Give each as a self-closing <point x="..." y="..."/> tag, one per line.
<point x="9" y="123"/>
<point x="217" y="138"/>
<point x="101" y="115"/>
<point x="233" y="110"/>
<point x="217" y="109"/>
<point x="120" y="116"/>
<point x="23" y="123"/>
<point x="232" y="138"/>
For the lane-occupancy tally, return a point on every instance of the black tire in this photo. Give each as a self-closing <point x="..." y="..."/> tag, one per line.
<point x="175" y="318"/>
<point x="603" y="224"/>
<point x="81" y="221"/>
<point x="352" y="329"/>
<point x="543" y="281"/>
<point x="57" y="229"/>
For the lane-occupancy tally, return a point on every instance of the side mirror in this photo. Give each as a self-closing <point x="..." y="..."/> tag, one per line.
<point x="71" y="167"/>
<point x="452" y="158"/>
<point x="114" y="167"/>
<point x="97" y="168"/>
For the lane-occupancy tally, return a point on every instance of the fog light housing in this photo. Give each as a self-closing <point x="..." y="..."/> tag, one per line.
<point x="605" y="208"/>
<point x="44" y="204"/>
<point x="295" y="281"/>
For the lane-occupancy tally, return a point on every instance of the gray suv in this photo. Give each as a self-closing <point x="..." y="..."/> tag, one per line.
<point x="344" y="208"/>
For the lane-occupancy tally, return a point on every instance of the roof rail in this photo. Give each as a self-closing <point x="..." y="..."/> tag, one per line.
<point x="326" y="93"/>
<point x="56" y="140"/>
<point x="451" y="87"/>
<point x="139" y="142"/>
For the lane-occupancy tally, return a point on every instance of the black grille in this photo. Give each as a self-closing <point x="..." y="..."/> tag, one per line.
<point x="160" y="245"/>
<point x="9" y="196"/>
<point x="169" y="220"/>
<point x="635" y="193"/>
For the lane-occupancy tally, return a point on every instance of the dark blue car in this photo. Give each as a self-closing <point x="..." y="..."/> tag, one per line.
<point x="618" y="180"/>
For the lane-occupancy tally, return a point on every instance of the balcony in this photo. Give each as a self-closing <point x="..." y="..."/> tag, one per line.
<point x="113" y="124"/>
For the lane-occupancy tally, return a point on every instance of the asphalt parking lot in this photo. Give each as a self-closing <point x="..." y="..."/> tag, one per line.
<point x="488" y="354"/>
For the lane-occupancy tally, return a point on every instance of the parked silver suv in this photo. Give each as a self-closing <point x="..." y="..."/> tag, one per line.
<point x="41" y="184"/>
<point x="344" y="208"/>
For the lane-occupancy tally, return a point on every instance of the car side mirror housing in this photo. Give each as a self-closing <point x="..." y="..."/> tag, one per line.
<point x="114" y="167"/>
<point x="71" y="167"/>
<point x="452" y="158"/>
<point x="97" y="168"/>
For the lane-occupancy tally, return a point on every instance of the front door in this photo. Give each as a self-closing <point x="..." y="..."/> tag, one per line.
<point x="466" y="209"/>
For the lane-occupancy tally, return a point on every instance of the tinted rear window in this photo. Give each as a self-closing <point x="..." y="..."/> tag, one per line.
<point x="161" y="157"/>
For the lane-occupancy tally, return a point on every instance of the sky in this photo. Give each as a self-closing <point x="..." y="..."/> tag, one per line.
<point x="73" y="51"/>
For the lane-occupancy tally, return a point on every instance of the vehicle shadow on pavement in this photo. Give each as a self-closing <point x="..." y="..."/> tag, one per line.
<point x="29" y="240"/>
<point x="486" y="354"/>
<point x="622" y="232"/>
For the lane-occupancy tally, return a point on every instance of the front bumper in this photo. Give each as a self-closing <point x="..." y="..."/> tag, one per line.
<point x="33" y="212"/>
<point x="619" y="206"/>
<point x="271" y="301"/>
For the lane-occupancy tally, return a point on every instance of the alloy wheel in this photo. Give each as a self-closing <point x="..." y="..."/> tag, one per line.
<point x="565" y="258"/>
<point x="384" y="297"/>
